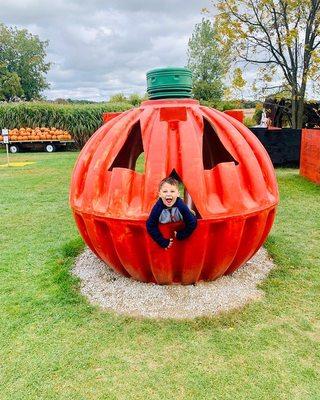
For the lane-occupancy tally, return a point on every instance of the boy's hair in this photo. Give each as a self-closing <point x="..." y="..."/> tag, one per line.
<point x="170" y="180"/>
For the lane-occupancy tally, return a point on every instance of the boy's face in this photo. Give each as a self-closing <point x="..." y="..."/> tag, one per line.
<point x="168" y="194"/>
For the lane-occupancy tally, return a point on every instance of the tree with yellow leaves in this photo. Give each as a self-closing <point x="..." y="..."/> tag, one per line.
<point x="282" y="37"/>
<point x="238" y="82"/>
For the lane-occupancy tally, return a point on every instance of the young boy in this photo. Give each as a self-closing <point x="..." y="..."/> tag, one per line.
<point x="170" y="208"/>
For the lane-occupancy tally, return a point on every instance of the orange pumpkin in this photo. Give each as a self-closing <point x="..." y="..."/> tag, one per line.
<point x="229" y="181"/>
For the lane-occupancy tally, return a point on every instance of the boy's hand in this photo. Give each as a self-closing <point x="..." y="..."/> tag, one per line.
<point x="170" y="244"/>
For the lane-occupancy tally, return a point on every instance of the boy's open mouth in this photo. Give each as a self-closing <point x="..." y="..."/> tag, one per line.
<point x="169" y="200"/>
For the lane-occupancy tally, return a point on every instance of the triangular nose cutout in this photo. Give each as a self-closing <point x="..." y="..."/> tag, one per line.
<point x="184" y="193"/>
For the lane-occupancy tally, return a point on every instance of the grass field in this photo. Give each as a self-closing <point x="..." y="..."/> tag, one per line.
<point x="56" y="346"/>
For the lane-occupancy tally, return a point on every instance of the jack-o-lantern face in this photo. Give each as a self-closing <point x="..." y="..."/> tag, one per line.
<point x="228" y="178"/>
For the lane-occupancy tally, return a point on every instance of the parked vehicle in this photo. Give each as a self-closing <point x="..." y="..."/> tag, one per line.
<point x="45" y="139"/>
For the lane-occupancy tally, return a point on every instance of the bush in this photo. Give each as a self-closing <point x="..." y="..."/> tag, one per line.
<point x="222" y="105"/>
<point x="258" y="113"/>
<point x="81" y="120"/>
<point x="118" y="98"/>
<point x="135" y="99"/>
<point x="249" y="122"/>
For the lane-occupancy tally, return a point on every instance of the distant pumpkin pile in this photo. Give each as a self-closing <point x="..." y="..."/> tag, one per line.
<point x="42" y="133"/>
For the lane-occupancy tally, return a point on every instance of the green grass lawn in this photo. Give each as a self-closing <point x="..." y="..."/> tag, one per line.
<point x="54" y="345"/>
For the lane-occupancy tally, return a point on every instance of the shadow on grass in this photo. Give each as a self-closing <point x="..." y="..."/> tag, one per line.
<point x="62" y="285"/>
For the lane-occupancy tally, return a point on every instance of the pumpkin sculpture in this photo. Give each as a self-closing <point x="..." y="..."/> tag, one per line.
<point x="228" y="178"/>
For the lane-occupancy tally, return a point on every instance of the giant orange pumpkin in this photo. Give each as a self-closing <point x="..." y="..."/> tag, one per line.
<point x="229" y="182"/>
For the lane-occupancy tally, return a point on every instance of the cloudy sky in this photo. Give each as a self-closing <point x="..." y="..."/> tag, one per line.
<point x="99" y="48"/>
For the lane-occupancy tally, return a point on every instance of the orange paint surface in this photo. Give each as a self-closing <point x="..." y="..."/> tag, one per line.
<point x="310" y="155"/>
<point x="109" y="115"/>
<point x="237" y="114"/>
<point x="229" y="182"/>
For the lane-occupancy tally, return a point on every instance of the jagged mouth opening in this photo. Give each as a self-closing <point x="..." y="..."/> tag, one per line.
<point x="131" y="156"/>
<point x="185" y="195"/>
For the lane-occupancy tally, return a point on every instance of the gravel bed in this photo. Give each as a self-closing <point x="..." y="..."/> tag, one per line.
<point x="111" y="291"/>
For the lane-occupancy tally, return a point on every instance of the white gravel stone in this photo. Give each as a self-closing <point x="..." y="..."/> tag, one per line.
<point x="111" y="291"/>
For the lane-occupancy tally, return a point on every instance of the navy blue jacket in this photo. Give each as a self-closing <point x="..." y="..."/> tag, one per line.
<point x="189" y="220"/>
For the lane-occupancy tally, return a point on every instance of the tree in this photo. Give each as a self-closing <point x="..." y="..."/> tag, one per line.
<point x="24" y="54"/>
<point x="282" y="37"/>
<point x="118" y="98"/>
<point x="238" y="82"/>
<point x="237" y="85"/>
<point x="206" y="62"/>
<point x="135" y="99"/>
<point x="10" y="86"/>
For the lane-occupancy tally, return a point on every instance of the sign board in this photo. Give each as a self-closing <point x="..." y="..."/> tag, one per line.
<point x="5" y="135"/>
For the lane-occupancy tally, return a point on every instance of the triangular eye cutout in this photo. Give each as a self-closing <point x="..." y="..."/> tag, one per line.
<point x="213" y="151"/>
<point x="130" y="151"/>
<point x="184" y="194"/>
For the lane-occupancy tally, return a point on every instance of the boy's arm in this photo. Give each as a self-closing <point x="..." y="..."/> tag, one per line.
<point x="189" y="220"/>
<point x="153" y="227"/>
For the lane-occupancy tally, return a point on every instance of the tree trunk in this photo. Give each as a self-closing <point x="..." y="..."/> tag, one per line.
<point x="294" y="111"/>
<point x="300" y="114"/>
<point x="300" y="105"/>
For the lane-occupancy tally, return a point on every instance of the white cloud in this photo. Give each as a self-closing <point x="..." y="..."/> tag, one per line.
<point x="99" y="48"/>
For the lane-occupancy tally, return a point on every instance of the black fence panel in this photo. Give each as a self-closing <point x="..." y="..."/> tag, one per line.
<point x="282" y="145"/>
